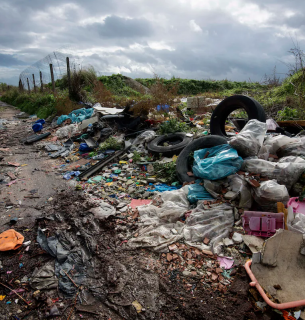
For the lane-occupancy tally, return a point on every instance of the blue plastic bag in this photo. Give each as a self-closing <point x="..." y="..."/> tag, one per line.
<point x="37" y="127"/>
<point x="198" y="192"/>
<point x="83" y="147"/>
<point x="76" y="116"/>
<point x="42" y="121"/>
<point x="222" y="161"/>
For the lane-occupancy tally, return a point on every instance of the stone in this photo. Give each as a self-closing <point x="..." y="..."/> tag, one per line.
<point x="186" y="273"/>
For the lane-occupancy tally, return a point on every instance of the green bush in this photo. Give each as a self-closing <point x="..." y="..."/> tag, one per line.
<point x="117" y="86"/>
<point x="172" y="126"/>
<point x="193" y="87"/>
<point x="41" y="104"/>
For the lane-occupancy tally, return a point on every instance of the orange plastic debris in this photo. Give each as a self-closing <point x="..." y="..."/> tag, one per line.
<point x="10" y="240"/>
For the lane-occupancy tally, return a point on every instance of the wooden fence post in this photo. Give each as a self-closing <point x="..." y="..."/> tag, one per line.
<point x="69" y="76"/>
<point x="20" y="86"/>
<point x="52" y="77"/>
<point x="41" y="83"/>
<point x="29" y="90"/>
<point x="34" y="83"/>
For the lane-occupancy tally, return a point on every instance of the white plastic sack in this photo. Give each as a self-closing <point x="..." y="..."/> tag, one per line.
<point x="272" y="144"/>
<point x="215" y="224"/>
<point x="67" y="131"/>
<point x="291" y="159"/>
<point x="269" y="193"/>
<point x="250" y="139"/>
<point x="285" y="173"/>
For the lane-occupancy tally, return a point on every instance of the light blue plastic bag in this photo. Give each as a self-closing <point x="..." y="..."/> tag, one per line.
<point x="198" y="192"/>
<point x="222" y="161"/>
<point x="76" y="116"/>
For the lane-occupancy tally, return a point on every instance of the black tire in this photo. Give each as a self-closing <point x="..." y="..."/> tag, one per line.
<point x="182" y="140"/>
<point x="225" y="107"/>
<point x="182" y="166"/>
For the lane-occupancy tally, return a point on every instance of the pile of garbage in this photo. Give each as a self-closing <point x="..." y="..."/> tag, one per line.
<point x="237" y="196"/>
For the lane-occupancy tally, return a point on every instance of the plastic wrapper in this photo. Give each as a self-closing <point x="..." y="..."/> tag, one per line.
<point x="220" y="162"/>
<point x="215" y="224"/>
<point x="145" y="136"/>
<point x="197" y="192"/>
<point x="67" y="131"/>
<point x="285" y="173"/>
<point x="250" y="139"/>
<point x="241" y="186"/>
<point x="269" y="193"/>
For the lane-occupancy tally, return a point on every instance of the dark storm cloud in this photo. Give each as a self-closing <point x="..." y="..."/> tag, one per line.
<point x="117" y="27"/>
<point x="234" y="39"/>
<point x="8" y="60"/>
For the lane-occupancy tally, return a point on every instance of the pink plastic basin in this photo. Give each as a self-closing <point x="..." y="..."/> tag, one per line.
<point x="297" y="206"/>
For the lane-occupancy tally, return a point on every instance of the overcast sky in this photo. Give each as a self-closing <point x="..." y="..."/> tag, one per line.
<point x="199" y="39"/>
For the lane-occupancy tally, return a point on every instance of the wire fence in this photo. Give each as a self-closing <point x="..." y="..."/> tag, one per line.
<point x="39" y="73"/>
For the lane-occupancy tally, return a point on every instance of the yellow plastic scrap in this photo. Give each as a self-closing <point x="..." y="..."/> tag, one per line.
<point x="123" y="162"/>
<point x="137" y="305"/>
<point x="2" y="297"/>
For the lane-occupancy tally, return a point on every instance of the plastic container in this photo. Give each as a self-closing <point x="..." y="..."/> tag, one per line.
<point x="37" y="127"/>
<point x="262" y="224"/>
<point x="297" y="205"/>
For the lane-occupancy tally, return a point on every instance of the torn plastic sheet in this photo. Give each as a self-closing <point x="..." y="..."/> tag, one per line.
<point x="269" y="193"/>
<point x="76" y="116"/>
<point x="286" y="173"/>
<point x="68" y="256"/>
<point x="44" y="278"/>
<point x="215" y="224"/>
<point x="292" y="149"/>
<point x="216" y="163"/>
<point x="250" y="139"/>
<point x="157" y="224"/>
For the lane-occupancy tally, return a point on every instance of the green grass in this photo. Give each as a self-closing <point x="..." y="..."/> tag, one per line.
<point x="42" y="104"/>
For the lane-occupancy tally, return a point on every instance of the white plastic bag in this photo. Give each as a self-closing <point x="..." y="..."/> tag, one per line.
<point x="250" y="139"/>
<point x="269" y="193"/>
<point x="241" y="186"/>
<point x="286" y="173"/>
<point x="67" y="131"/>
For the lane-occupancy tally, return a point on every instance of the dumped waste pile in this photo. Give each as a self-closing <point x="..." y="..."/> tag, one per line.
<point x="158" y="225"/>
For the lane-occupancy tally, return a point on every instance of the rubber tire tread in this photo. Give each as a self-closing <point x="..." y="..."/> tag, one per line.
<point x="154" y="147"/>
<point x="200" y="143"/>
<point x="222" y="111"/>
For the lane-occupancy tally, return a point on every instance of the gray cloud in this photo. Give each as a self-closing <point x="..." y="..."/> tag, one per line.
<point x="235" y="39"/>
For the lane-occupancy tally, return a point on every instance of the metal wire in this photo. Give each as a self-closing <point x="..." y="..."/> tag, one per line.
<point x="57" y="59"/>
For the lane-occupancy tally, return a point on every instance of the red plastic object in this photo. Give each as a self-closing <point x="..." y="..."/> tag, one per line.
<point x="297" y="205"/>
<point x="280" y="306"/>
<point x="262" y="224"/>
